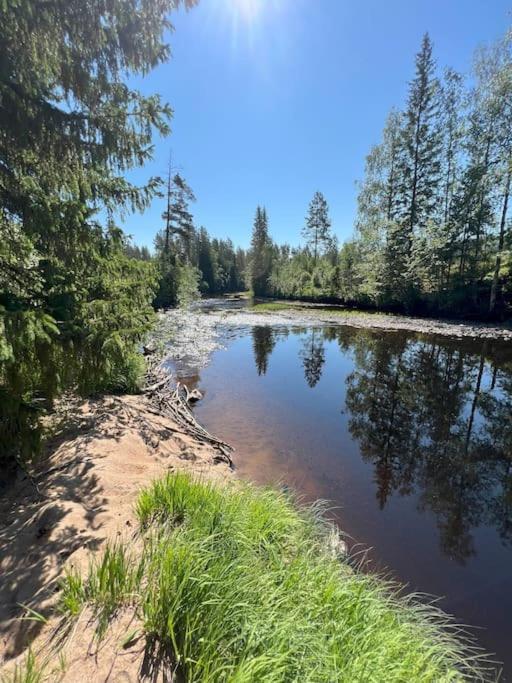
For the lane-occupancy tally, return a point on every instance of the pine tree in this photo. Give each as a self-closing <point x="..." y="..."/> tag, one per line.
<point x="179" y="222"/>
<point x="261" y="254"/>
<point x="317" y="230"/>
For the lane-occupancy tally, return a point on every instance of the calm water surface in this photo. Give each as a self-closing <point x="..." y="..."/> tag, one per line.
<point x="409" y="437"/>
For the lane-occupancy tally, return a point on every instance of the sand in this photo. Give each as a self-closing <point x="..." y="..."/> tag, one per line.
<point x="81" y="494"/>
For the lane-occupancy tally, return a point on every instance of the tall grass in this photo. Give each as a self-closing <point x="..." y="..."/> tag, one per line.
<point x="243" y="586"/>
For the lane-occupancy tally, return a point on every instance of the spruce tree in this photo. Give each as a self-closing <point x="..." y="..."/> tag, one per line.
<point x="179" y="222"/>
<point x="205" y="261"/>
<point x="71" y="127"/>
<point x="317" y="230"/>
<point x="261" y="254"/>
<point x="422" y="143"/>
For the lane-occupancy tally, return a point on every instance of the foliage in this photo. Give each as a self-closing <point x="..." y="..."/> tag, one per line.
<point x="189" y="261"/>
<point x="260" y="254"/>
<point x="188" y="286"/>
<point x="70" y="129"/>
<point x="245" y="586"/>
<point x="433" y="230"/>
<point x="433" y="224"/>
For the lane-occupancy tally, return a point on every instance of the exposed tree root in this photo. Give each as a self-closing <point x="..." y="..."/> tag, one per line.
<point x="170" y="399"/>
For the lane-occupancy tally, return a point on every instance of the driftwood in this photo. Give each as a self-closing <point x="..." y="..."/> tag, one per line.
<point x="173" y="401"/>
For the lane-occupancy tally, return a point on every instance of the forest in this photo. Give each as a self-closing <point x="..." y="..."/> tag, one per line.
<point x="116" y="504"/>
<point x="432" y="233"/>
<point x="433" y="228"/>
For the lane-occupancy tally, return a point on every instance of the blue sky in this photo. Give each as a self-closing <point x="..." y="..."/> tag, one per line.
<point x="274" y="99"/>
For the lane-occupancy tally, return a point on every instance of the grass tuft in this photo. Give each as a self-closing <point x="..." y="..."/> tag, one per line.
<point x="113" y="581"/>
<point x="26" y="672"/>
<point x="243" y="586"/>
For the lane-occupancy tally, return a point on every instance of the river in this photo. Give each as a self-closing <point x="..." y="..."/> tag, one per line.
<point x="407" y="436"/>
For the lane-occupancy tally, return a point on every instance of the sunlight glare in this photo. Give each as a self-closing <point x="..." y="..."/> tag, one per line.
<point x="248" y="9"/>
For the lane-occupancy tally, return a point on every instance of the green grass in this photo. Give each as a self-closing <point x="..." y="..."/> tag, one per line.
<point x="26" y="672"/>
<point x="274" y="306"/>
<point x="243" y="586"/>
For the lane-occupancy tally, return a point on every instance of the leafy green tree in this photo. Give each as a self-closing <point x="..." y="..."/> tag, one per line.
<point x="187" y="285"/>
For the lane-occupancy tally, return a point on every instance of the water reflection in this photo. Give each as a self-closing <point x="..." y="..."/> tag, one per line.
<point x="313" y="356"/>
<point x="264" y="340"/>
<point x="432" y="416"/>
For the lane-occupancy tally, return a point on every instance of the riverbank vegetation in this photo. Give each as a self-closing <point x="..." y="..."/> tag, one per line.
<point x="238" y="583"/>
<point x="433" y="227"/>
<point x="189" y="261"/>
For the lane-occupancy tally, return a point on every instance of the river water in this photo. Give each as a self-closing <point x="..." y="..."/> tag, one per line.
<point x="408" y="437"/>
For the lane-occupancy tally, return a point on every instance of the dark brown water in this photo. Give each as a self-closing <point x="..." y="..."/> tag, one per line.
<point x="410" y="438"/>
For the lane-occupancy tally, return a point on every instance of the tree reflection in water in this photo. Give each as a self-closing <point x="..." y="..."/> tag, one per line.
<point x="313" y="356"/>
<point x="263" y="342"/>
<point x="434" y="418"/>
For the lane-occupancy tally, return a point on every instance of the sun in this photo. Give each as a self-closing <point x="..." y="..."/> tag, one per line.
<point x="248" y="9"/>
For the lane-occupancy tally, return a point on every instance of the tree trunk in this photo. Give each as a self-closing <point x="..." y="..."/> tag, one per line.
<point x="476" y="397"/>
<point x="168" y="212"/>
<point x="503" y="223"/>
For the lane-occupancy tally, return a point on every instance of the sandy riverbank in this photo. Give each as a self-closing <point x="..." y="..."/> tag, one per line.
<point x="82" y="494"/>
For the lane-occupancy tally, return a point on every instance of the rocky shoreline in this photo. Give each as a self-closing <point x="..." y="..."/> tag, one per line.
<point x="191" y="336"/>
<point x="385" y="322"/>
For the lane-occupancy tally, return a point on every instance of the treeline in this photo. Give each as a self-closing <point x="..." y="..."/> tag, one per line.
<point x="433" y="227"/>
<point x="311" y="271"/>
<point x="433" y="230"/>
<point x="70" y="128"/>
<point x="189" y="261"/>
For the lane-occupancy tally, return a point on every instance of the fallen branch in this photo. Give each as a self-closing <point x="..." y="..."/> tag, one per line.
<point x="174" y="403"/>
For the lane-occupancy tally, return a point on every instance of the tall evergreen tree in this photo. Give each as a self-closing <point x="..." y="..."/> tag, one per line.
<point x="317" y="230"/>
<point x="175" y="244"/>
<point x="179" y="222"/>
<point x="205" y="261"/>
<point x="261" y="254"/>
<point x="71" y="126"/>
<point x="422" y="142"/>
